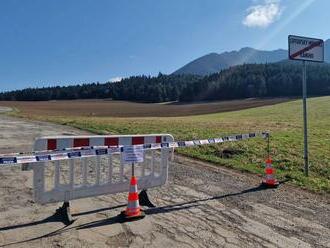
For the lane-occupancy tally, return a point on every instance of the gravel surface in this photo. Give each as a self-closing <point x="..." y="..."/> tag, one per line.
<point x="201" y="206"/>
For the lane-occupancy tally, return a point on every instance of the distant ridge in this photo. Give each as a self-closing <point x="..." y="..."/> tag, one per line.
<point x="214" y="62"/>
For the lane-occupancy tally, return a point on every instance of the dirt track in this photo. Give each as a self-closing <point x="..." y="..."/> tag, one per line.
<point x="201" y="206"/>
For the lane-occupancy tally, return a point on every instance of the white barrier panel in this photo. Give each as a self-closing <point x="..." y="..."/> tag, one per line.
<point x="57" y="181"/>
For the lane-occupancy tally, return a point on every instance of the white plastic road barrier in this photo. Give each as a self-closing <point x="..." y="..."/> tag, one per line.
<point x="80" y="177"/>
<point x="92" y="151"/>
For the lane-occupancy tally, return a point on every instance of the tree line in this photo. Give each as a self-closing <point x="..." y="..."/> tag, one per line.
<point x="137" y="88"/>
<point x="243" y="81"/>
<point x="260" y="80"/>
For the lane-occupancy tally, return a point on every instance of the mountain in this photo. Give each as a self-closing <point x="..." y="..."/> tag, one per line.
<point x="213" y="62"/>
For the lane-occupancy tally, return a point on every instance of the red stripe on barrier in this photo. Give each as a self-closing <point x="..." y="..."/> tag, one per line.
<point x="51" y="144"/>
<point x="80" y="142"/>
<point x="111" y="141"/>
<point x="158" y="139"/>
<point x="137" y="140"/>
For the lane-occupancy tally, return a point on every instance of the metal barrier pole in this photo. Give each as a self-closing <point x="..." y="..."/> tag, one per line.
<point x="268" y="145"/>
<point x="133" y="169"/>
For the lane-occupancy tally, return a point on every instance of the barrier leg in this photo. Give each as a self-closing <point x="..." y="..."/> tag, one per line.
<point x="144" y="199"/>
<point x="64" y="213"/>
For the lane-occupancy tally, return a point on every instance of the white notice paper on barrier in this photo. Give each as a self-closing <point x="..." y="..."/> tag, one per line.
<point x="133" y="154"/>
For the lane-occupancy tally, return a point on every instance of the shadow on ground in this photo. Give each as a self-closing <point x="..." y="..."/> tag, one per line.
<point x="119" y="218"/>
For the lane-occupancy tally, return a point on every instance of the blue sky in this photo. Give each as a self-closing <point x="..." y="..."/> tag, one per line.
<point x="45" y="42"/>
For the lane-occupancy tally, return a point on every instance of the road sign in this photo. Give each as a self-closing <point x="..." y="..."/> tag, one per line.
<point x="133" y="154"/>
<point x="307" y="49"/>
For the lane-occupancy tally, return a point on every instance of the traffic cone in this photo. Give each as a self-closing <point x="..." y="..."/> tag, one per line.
<point x="269" y="179"/>
<point x="133" y="210"/>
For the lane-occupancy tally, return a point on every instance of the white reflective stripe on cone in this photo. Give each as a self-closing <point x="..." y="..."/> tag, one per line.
<point x="133" y="204"/>
<point x="133" y="188"/>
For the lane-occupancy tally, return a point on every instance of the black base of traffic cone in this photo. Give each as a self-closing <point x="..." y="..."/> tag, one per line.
<point x="124" y="217"/>
<point x="270" y="185"/>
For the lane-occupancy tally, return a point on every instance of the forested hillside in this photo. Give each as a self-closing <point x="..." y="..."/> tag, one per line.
<point x="260" y="80"/>
<point x="243" y="81"/>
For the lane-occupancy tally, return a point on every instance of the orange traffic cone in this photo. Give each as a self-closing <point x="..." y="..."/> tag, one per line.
<point x="133" y="210"/>
<point x="269" y="179"/>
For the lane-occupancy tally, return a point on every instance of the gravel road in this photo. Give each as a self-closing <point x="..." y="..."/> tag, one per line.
<point x="201" y="206"/>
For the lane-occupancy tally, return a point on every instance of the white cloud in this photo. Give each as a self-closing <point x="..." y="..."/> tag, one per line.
<point x="115" y="79"/>
<point x="262" y="15"/>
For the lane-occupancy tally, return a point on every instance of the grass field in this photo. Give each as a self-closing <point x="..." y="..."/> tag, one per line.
<point x="283" y="120"/>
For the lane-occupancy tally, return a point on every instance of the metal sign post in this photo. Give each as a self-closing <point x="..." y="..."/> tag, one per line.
<point x="305" y="49"/>
<point x="304" y="88"/>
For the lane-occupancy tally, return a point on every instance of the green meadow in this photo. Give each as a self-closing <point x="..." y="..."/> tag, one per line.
<point x="284" y="121"/>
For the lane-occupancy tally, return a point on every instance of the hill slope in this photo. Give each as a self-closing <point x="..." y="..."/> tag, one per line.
<point x="213" y="62"/>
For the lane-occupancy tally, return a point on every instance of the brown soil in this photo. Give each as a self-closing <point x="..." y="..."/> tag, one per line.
<point x="130" y="109"/>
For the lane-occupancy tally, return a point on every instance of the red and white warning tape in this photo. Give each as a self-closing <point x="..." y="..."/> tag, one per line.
<point x="91" y="151"/>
